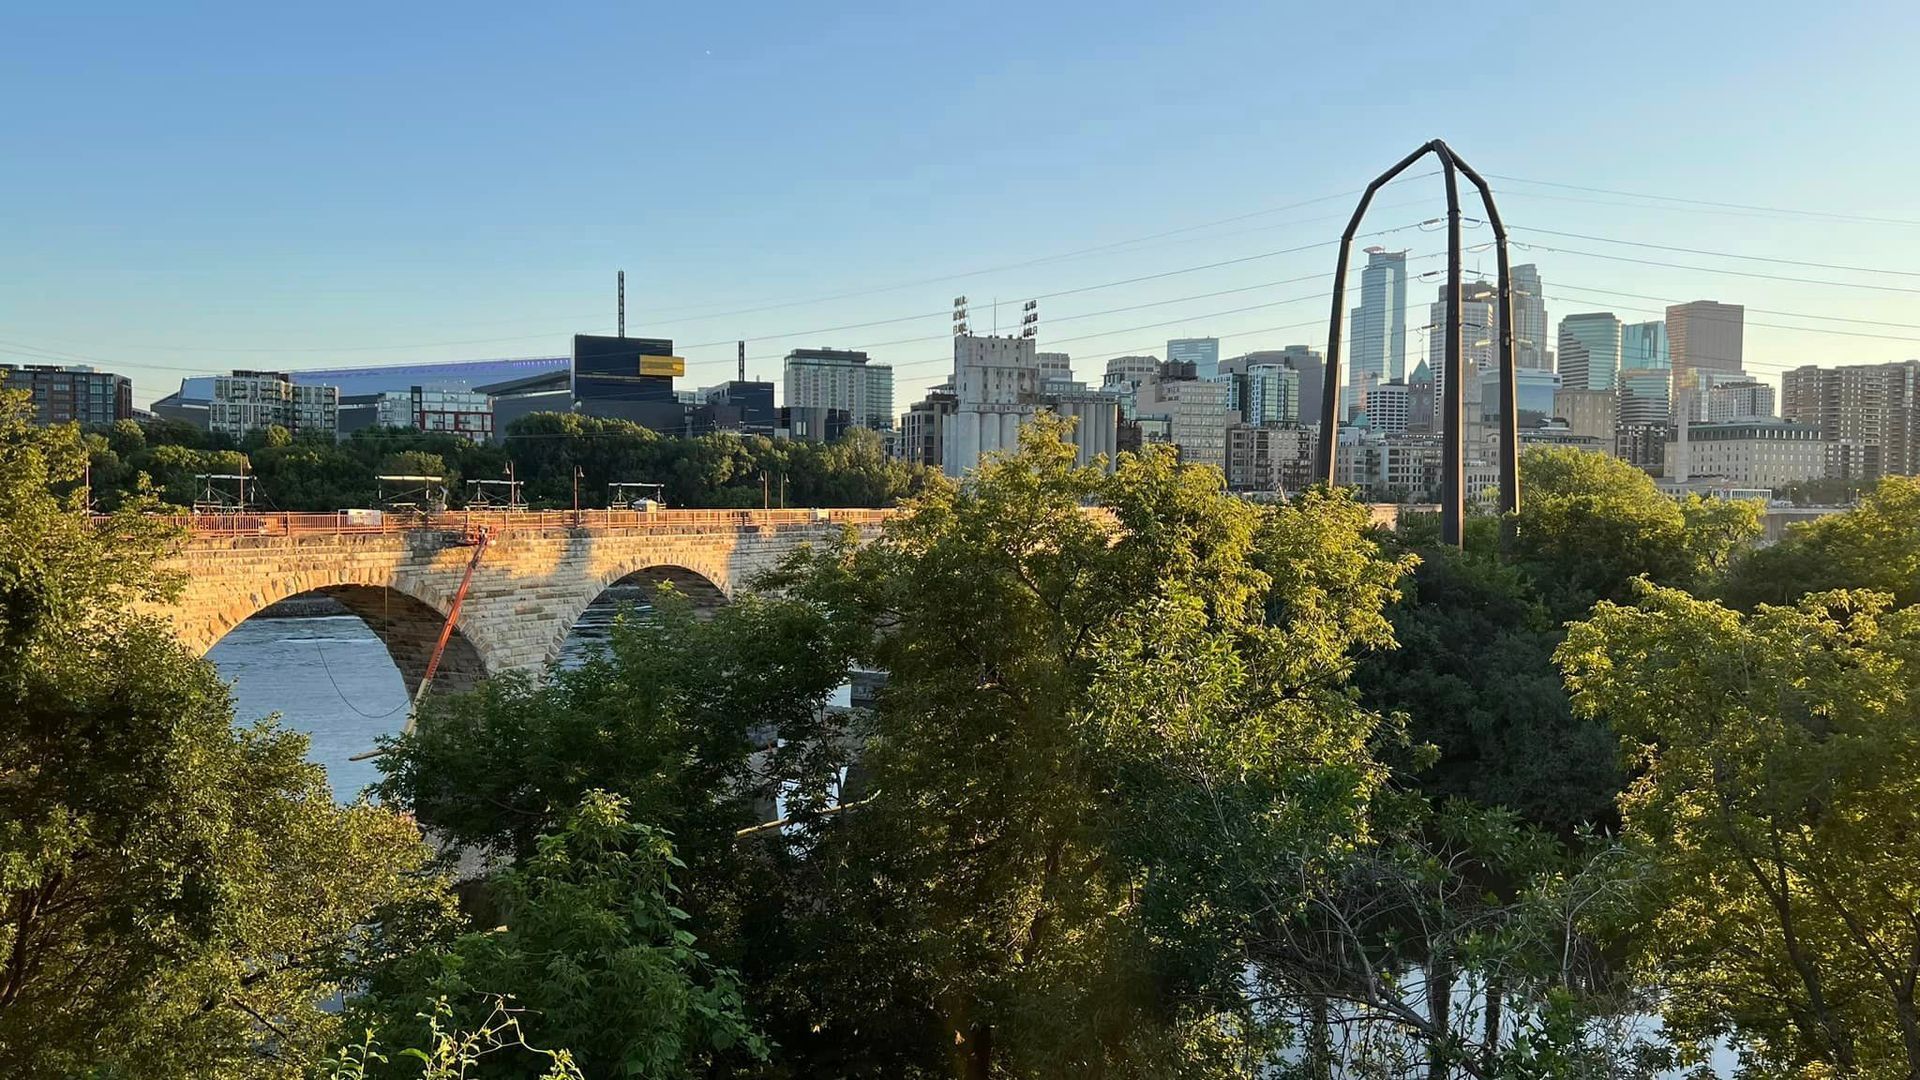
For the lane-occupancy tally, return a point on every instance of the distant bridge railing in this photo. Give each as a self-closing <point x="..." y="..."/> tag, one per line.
<point x="362" y="522"/>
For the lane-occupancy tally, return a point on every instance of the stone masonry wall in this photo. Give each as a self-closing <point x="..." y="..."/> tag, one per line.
<point x="530" y="588"/>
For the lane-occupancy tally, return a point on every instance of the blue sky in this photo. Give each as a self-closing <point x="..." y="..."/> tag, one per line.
<point x="191" y="188"/>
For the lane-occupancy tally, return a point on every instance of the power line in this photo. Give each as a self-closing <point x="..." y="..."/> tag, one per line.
<point x="1710" y="202"/>
<point x="1715" y="269"/>
<point x="1769" y="326"/>
<point x="1719" y="254"/>
<point x="1763" y="311"/>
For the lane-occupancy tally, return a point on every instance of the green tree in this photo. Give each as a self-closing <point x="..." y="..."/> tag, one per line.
<point x="1475" y="679"/>
<point x="594" y="948"/>
<point x="1093" y="720"/>
<point x="1776" y="798"/>
<point x="176" y="897"/>
<point x="1589" y="524"/>
<point x="668" y="717"/>
<point x="1875" y="545"/>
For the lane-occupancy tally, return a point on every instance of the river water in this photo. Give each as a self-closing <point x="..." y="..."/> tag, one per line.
<point x="328" y="676"/>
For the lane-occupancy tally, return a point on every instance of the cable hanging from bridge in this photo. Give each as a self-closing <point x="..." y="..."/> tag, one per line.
<point x="328" y="668"/>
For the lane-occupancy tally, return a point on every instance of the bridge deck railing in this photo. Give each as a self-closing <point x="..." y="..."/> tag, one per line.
<point x="350" y="523"/>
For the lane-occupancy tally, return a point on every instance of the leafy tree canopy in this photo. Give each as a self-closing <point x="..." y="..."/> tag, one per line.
<point x="593" y="949"/>
<point x="1778" y="797"/>
<point x="1874" y="545"/>
<point x="176" y="897"/>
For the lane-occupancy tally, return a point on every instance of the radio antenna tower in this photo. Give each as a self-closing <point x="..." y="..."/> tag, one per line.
<point x="622" y="279"/>
<point x="742" y="376"/>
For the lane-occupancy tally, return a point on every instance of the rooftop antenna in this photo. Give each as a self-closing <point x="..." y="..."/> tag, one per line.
<point x="622" y="279"/>
<point x="960" y="316"/>
<point x="742" y="376"/>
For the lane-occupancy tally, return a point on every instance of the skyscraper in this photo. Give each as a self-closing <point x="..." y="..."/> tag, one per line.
<point x="1272" y="396"/>
<point x="1379" y="324"/>
<point x="1643" y="347"/>
<point x="1202" y="353"/>
<point x="841" y="379"/>
<point x="1529" y="319"/>
<point x="1477" y="302"/>
<point x="1589" y="351"/>
<point x="1704" y="335"/>
<point x="1309" y="364"/>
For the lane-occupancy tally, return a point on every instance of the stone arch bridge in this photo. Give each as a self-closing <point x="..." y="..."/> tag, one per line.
<point x="537" y="575"/>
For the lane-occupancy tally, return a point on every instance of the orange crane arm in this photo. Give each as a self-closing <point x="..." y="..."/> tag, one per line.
<point x="446" y="632"/>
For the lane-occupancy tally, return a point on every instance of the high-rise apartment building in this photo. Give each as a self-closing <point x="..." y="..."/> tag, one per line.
<point x="1743" y="400"/>
<point x="1202" y="353"/>
<point x="1704" y="335"/>
<point x="1272" y="397"/>
<point x="1378" y="326"/>
<point x="1307" y="363"/>
<point x="923" y="427"/>
<point x="71" y="394"/>
<point x="1531" y="347"/>
<point x="841" y="379"/>
<point x="257" y="400"/>
<point x="1589" y="351"/>
<point x="1197" y="416"/>
<point x="1873" y="409"/>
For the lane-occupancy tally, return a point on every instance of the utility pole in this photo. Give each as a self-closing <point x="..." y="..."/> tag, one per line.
<point x="740" y="374"/>
<point x="1452" y="509"/>
<point x="766" y="501"/>
<point x="576" y="496"/>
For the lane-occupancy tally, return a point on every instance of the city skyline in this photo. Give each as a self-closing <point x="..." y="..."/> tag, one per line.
<point x="286" y="216"/>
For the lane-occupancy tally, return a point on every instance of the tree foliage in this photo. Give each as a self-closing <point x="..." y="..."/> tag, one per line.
<point x="545" y="450"/>
<point x="1778" y="798"/>
<point x="176" y="897"/>
<point x="593" y="948"/>
<point x="1875" y="545"/>
<point x="1092" y="719"/>
<point x="1589" y="524"/>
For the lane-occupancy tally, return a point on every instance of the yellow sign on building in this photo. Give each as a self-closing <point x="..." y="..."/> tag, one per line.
<point x="663" y="365"/>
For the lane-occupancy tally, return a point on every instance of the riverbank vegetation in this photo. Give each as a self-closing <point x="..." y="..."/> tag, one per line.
<point x="1187" y="787"/>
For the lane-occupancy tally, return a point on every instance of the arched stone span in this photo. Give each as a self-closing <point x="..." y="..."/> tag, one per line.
<point x="409" y="629"/>
<point x="704" y="591"/>
<point x="408" y="625"/>
<point x="538" y="573"/>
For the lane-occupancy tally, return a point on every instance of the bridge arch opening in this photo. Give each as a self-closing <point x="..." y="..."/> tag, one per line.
<point x="632" y="594"/>
<point x="341" y="663"/>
